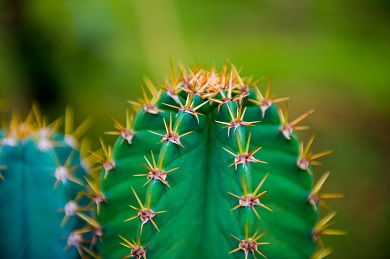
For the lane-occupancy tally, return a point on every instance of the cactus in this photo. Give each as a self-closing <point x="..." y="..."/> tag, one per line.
<point x="210" y="168"/>
<point x="41" y="175"/>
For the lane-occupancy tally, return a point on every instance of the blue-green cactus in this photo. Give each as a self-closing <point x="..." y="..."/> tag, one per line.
<point x="42" y="175"/>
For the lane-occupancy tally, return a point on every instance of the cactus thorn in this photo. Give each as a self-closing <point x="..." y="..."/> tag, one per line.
<point x="97" y="195"/>
<point x="156" y="172"/>
<point x="44" y="141"/>
<point x="136" y="249"/>
<point x="264" y="102"/>
<point x="238" y="120"/>
<point x="321" y="253"/>
<point x="71" y="208"/>
<point x="107" y="161"/>
<point x="63" y="173"/>
<point x="171" y="133"/>
<point x="172" y="91"/>
<point x="287" y="128"/>
<point x="76" y="239"/>
<point x="188" y="106"/>
<point x="321" y="228"/>
<point x="316" y="198"/>
<point x="173" y="85"/>
<point x="251" y="199"/>
<point x="127" y="132"/>
<point x="148" y="105"/>
<point x="249" y="244"/>
<point x="244" y="89"/>
<point x="145" y="214"/>
<point x="92" y="226"/>
<point x="228" y="98"/>
<point x="244" y="157"/>
<point x="306" y="157"/>
<point x="17" y="129"/>
<point x="71" y="136"/>
<point x="44" y="131"/>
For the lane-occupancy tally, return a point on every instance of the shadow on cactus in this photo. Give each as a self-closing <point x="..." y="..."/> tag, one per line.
<point x="209" y="167"/>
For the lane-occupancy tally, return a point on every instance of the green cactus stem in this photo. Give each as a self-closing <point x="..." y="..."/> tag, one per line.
<point x="209" y="168"/>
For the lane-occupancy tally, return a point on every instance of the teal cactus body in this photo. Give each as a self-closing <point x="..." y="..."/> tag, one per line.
<point x="209" y="168"/>
<point x="42" y="175"/>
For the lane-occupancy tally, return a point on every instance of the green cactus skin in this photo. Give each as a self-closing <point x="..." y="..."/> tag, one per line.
<point x="210" y="169"/>
<point x="42" y="174"/>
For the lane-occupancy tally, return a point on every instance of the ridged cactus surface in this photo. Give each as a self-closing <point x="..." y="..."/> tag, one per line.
<point x="41" y="176"/>
<point x="209" y="168"/>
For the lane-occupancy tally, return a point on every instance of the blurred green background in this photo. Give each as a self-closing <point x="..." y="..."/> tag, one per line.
<point x="329" y="55"/>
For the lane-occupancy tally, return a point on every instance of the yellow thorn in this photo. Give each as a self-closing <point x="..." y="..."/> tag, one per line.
<point x="260" y="184"/>
<point x="138" y="200"/>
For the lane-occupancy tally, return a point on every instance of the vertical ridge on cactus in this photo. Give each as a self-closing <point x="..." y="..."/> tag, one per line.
<point x="205" y="144"/>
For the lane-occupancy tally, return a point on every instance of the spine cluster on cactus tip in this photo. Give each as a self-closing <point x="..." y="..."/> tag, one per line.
<point x="210" y="168"/>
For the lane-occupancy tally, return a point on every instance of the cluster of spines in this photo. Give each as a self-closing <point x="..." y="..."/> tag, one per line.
<point x="229" y="92"/>
<point x="71" y="172"/>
